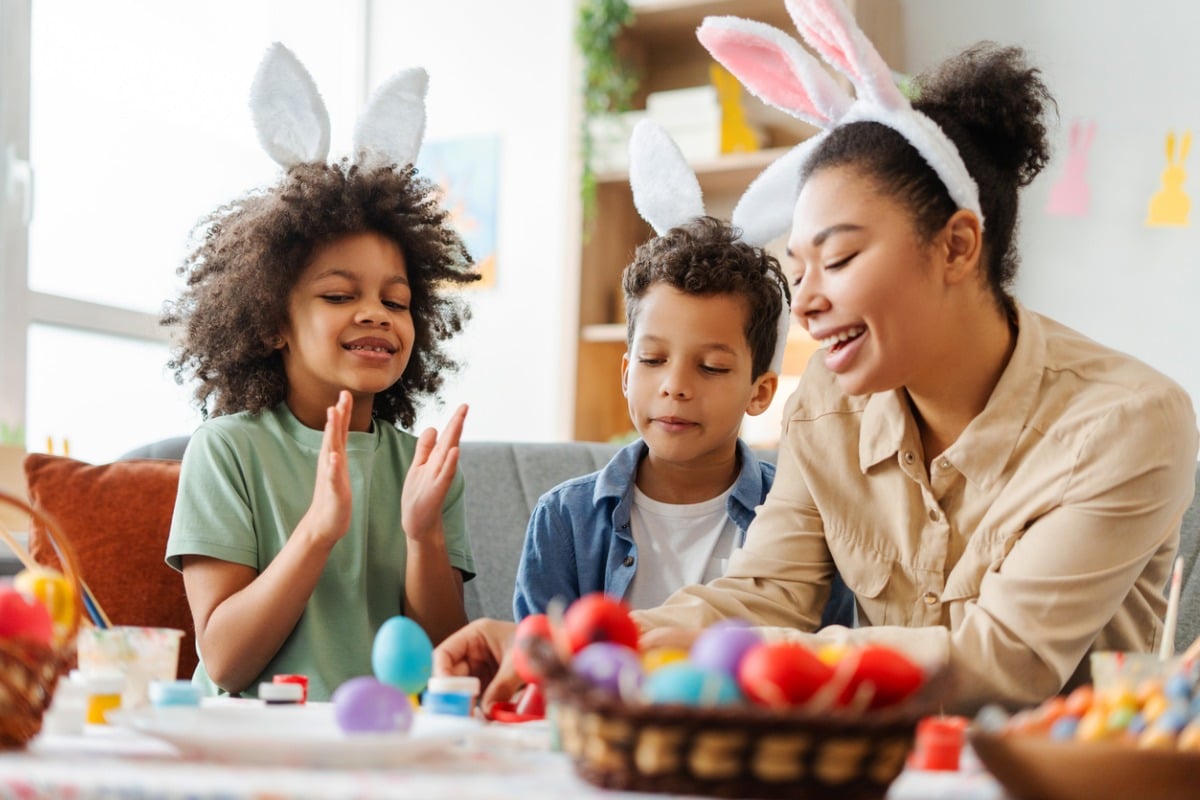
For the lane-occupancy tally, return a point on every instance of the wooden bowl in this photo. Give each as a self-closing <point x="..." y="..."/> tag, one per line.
<point x="1037" y="768"/>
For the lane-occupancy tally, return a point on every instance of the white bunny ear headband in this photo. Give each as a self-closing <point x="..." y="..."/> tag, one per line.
<point x="780" y="72"/>
<point x="293" y="125"/>
<point x="666" y="193"/>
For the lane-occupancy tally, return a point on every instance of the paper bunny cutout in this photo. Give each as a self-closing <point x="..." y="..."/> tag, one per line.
<point x="1070" y="195"/>
<point x="1170" y="205"/>
<point x="666" y="193"/>
<point x="293" y="125"/>
<point x="780" y="72"/>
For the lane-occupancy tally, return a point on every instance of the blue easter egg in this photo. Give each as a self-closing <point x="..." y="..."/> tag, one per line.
<point x="685" y="683"/>
<point x="1063" y="729"/>
<point x="402" y="655"/>
<point x="365" y="705"/>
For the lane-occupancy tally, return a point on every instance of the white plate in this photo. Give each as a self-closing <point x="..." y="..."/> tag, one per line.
<point x="302" y="735"/>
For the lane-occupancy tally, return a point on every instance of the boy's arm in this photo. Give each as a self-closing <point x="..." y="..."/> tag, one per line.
<point x="433" y="589"/>
<point x="243" y="617"/>
<point x="548" y="568"/>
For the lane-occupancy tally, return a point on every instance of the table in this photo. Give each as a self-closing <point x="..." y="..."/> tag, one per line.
<point x="496" y="762"/>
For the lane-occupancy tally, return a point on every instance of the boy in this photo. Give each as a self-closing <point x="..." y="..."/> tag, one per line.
<point x="669" y="509"/>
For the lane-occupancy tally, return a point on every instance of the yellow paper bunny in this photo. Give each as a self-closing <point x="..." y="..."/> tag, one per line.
<point x="736" y="134"/>
<point x="1170" y="205"/>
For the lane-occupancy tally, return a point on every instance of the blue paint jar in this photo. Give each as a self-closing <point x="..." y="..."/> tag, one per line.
<point x="453" y="696"/>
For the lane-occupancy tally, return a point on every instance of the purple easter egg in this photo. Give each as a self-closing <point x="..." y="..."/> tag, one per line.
<point x="721" y="646"/>
<point x="609" y="666"/>
<point x="366" y="705"/>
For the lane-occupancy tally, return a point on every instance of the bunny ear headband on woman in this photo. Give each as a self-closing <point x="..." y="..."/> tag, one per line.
<point x="667" y="193"/>
<point x="781" y="73"/>
<point x="293" y="125"/>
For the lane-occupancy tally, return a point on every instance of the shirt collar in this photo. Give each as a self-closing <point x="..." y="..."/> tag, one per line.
<point x="617" y="477"/>
<point x="984" y="448"/>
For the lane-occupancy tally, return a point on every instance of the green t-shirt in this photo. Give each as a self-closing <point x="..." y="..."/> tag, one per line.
<point x="245" y="483"/>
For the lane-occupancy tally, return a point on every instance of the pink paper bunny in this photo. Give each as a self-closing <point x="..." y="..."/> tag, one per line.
<point x="1071" y="195"/>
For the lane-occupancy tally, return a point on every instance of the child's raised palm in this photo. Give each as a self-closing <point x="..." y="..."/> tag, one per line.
<point x="332" y="503"/>
<point x="428" y="480"/>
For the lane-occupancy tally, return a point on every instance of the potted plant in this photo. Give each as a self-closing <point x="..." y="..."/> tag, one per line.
<point x="609" y="82"/>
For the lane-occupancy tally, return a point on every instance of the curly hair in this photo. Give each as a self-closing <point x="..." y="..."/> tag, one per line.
<point x="249" y="255"/>
<point x="706" y="257"/>
<point x="992" y="106"/>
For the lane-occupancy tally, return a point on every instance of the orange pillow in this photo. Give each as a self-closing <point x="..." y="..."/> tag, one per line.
<point x="117" y="517"/>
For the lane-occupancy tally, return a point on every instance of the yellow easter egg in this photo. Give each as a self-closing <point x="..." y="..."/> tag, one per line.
<point x="661" y="656"/>
<point x="831" y="654"/>
<point x="52" y="590"/>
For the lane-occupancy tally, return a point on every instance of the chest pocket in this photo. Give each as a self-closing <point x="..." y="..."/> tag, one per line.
<point x="868" y="575"/>
<point x="985" y="552"/>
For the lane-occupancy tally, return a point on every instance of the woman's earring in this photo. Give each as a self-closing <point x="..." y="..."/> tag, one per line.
<point x="277" y="343"/>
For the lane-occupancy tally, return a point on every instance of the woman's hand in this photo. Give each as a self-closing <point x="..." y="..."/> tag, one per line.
<point x="435" y="462"/>
<point x="328" y="517"/>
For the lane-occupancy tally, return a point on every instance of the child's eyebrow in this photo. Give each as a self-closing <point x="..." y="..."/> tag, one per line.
<point x="722" y="346"/>
<point x="336" y="272"/>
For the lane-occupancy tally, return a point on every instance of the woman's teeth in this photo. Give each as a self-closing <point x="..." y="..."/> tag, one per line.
<point x="844" y="336"/>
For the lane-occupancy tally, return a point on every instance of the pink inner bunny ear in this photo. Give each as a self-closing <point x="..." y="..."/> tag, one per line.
<point x="775" y="68"/>
<point x="832" y="31"/>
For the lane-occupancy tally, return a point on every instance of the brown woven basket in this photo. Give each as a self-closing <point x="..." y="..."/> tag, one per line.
<point x="744" y="751"/>
<point x="30" y="671"/>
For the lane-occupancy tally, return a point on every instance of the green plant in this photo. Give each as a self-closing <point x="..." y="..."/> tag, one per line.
<point x="609" y="82"/>
<point x="12" y="434"/>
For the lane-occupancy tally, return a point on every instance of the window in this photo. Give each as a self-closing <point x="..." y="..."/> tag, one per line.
<point x="135" y="126"/>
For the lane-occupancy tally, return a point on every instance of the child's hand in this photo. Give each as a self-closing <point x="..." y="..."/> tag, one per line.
<point x="329" y="515"/>
<point x="434" y="463"/>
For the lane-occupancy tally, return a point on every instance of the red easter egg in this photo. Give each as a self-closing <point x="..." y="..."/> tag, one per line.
<point x="535" y="626"/>
<point x="598" y="618"/>
<point x="781" y="673"/>
<point x="891" y="674"/>
<point x="23" y="618"/>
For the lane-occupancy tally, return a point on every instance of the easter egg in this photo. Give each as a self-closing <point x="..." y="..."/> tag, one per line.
<point x="781" y="673"/>
<point x="402" y="655"/>
<point x="659" y="657"/>
<point x="888" y="675"/>
<point x="686" y="684"/>
<point x="365" y="705"/>
<point x="597" y="617"/>
<point x="609" y="666"/>
<point x="53" y="591"/>
<point x="533" y="627"/>
<point x="722" y="646"/>
<point x="23" y="618"/>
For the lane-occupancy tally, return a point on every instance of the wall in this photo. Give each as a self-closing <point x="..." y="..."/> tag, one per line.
<point x="496" y="71"/>
<point x="1134" y="72"/>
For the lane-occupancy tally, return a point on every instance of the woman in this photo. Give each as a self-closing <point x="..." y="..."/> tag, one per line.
<point x="1000" y="493"/>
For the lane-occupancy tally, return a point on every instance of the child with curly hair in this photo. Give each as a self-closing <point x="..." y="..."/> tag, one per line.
<point x="314" y="322"/>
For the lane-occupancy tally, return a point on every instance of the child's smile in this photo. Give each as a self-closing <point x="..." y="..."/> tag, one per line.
<point x="349" y="327"/>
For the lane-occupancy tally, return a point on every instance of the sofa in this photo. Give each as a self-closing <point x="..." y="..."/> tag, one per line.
<point x="119" y="514"/>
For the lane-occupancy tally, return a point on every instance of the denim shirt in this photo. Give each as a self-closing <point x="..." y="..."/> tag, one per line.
<point x="579" y="540"/>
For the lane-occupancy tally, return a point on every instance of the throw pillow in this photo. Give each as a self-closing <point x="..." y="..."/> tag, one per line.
<point x="117" y="517"/>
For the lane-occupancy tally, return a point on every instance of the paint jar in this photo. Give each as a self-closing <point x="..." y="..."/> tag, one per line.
<point x="299" y="680"/>
<point x="140" y="654"/>
<point x="174" y="693"/>
<point x="280" y="693"/>
<point x="939" y="743"/>
<point x="452" y="695"/>
<point x="103" y="695"/>
<point x="68" y="708"/>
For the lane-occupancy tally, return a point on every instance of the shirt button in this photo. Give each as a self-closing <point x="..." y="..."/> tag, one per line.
<point x="909" y="457"/>
<point x="930" y="598"/>
<point x="934" y="514"/>
<point x="944" y="464"/>
<point x="628" y="561"/>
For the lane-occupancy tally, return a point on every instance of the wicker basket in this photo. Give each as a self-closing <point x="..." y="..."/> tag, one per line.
<point x="29" y="671"/>
<point x="743" y="751"/>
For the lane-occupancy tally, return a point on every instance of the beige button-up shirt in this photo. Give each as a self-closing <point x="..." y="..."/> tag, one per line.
<point x="1046" y="530"/>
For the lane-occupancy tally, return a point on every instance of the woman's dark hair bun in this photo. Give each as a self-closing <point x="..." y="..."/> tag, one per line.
<point x="993" y="95"/>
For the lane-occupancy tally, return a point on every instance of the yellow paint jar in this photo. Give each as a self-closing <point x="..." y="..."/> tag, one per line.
<point x="104" y="695"/>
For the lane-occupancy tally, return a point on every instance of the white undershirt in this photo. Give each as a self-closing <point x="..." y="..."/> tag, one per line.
<point x="678" y="545"/>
